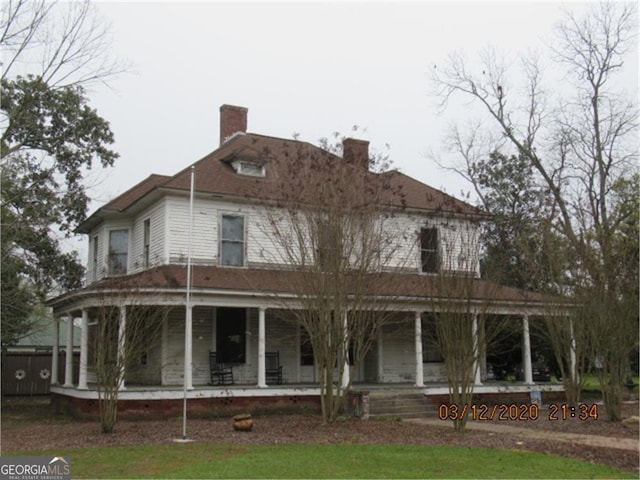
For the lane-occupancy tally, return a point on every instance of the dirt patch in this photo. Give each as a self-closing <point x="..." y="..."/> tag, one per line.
<point x="36" y="428"/>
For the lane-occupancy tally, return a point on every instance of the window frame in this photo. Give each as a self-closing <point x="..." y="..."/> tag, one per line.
<point x="222" y="241"/>
<point x="111" y="253"/>
<point x="251" y="169"/>
<point x="95" y="257"/>
<point x="307" y="356"/>
<point x="146" y="242"/>
<point x="429" y="250"/>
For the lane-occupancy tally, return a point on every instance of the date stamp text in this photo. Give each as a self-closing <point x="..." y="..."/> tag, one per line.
<point x="509" y="412"/>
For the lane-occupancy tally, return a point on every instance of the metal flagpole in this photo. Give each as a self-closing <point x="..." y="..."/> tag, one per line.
<point x="187" y="329"/>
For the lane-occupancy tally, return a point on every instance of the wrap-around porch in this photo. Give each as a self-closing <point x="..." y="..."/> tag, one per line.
<point x="242" y="338"/>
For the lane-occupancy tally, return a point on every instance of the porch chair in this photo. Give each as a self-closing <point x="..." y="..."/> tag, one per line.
<point x="221" y="374"/>
<point x="273" y="367"/>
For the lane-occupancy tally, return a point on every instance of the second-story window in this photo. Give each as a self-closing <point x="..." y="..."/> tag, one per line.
<point x="429" y="250"/>
<point x="94" y="259"/>
<point x="118" y="251"/>
<point x="146" y="243"/>
<point x="329" y="246"/>
<point x="232" y="241"/>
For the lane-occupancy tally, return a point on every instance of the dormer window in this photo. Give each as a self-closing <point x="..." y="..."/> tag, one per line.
<point x="252" y="169"/>
<point x="249" y="162"/>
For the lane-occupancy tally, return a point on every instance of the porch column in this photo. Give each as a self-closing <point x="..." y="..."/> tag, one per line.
<point x="380" y="363"/>
<point x="122" y="332"/>
<point x="477" y="373"/>
<point x="526" y="351"/>
<point x="419" y="365"/>
<point x="188" y="348"/>
<point x="345" y="370"/>
<point x="84" y="343"/>
<point x="55" y="351"/>
<point x="68" y="359"/>
<point x="262" y="377"/>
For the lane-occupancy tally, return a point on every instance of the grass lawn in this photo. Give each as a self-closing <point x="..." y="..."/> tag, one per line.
<point x="202" y="460"/>
<point x="591" y="389"/>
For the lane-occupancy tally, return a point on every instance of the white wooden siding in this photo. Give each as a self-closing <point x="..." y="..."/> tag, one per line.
<point x="169" y="222"/>
<point x="202" y="329"/>
<point x="204" y="246"/>
<point x="156" y="216"/>
<point x="173" y="345"/>
<point x="434" y="372"/>
<point x="399" y="364"/>
<point x="99" y="267"/>
<point x="398" y="352"/>
<point x="459" y="246"/>
<point x="282" y="336"/>
<point x="457" y="239"/>
<point x="103" y="251"/>
<point x="399" y="356"/>
<point x="149" y="374"/>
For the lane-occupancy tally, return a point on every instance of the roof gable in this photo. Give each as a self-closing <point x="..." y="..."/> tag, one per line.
<point x="123" y="201"/>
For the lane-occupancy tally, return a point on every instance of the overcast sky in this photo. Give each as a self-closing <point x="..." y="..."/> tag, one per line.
<point x="307" y="68"/>
<point x="299" y="67"/>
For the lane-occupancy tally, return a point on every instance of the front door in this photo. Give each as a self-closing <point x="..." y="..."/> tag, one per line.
<point x="230" y="335"/>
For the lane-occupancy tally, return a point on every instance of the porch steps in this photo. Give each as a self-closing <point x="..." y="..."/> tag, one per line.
<point x="403" y="405"/>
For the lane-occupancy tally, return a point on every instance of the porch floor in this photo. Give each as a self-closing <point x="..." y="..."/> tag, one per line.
<point x="174" y="392"/>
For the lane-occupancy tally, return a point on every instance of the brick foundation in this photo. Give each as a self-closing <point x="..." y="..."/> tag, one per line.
<point x="196" y="408"/>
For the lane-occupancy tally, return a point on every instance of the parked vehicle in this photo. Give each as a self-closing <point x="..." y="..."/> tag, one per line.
<point x="541" y="373"/>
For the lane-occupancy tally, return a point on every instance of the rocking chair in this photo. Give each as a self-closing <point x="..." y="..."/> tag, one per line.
<point x="220" y="373"/>
<point x="273" y="367"/>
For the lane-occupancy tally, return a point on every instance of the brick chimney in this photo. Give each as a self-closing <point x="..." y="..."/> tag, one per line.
<point x="356" y="152"/>
<point x="232" y="120"/>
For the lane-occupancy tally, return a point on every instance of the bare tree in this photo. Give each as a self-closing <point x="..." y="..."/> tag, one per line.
<point x="124" y="332"/>
<point x="461" y="325"/>
<point x="331" y="225"/>
<point x="579" y="150"/>
<point x="570" y="338"/>
<point x="60" y="43"/>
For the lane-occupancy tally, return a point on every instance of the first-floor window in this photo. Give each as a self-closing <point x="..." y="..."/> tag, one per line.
<point x="306" y="348"/>
<point x="230" y="335"/>
<point x="232" y="241"/>
<point x="118" y="251"/>
<point x="430" y="347"/>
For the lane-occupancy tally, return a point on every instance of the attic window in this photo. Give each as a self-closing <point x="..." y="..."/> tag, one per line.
<point x="252" y="169"/>
<point x="248" y="168"/>
<point x="248" y="161"/>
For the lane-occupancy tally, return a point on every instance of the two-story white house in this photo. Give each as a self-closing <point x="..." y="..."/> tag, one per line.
<point x="139" y="246"/>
